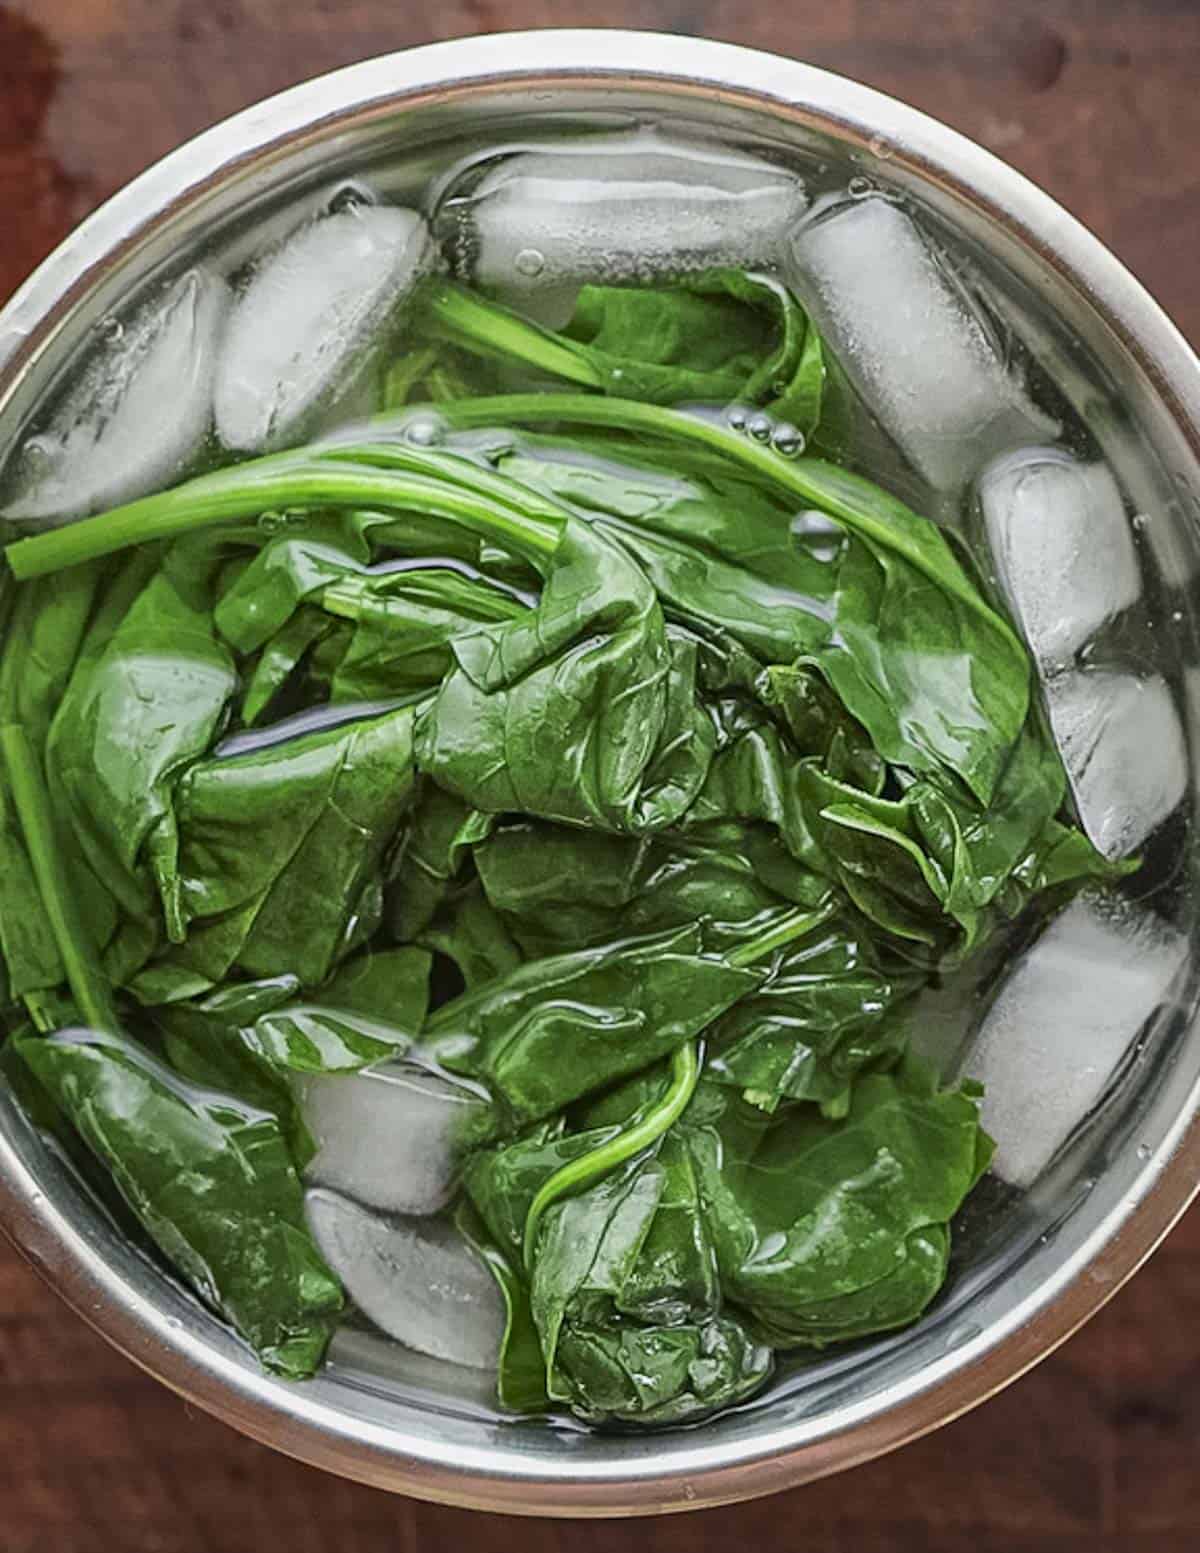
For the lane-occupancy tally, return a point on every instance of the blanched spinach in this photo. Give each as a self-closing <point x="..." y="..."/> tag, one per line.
<point x="637" y="772"/>
<point x="211" y="1180"/>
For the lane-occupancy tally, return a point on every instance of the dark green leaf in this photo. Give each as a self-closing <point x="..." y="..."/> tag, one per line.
<point x="556" y="1029"/>
<point x="212" y="1181"/>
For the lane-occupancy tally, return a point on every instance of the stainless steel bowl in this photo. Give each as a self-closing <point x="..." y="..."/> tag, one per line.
<point x="1037" y="1266"/>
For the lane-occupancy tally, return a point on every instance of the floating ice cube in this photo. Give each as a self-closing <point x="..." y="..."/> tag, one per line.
<point x="302" y="331"/>
<point x="417" y="1279"/>
<point x="1063" y="1021"/>
<point x="138" y="416"/>
<point x="388" y="1136"/>
<point x="912" y="341"/>
<point x="1124" y="750"/>
<point x="612" y="210"/>
<point x="1061" y="546"/>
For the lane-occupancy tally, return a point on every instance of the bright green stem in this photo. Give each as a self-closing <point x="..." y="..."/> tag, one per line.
<point x="281" y="481"/>
<point x="580" y="1173"/>
<point x="86" y="979"/>
<point x="461" y="318"/>
<point x="855" y="502"/>
<point x="685" y="1071"/>
<point x="794" y="925"/>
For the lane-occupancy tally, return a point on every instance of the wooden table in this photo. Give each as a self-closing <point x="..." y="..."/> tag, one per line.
<point x="1098" y="1451"/>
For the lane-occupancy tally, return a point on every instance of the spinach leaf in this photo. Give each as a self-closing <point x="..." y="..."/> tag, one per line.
<point x="827" y="1013"/>
<point x="969" y="709"/>
<point x="371" y="1008"/>
<point x="471" y="933"/>
<point x="403" y="624"/>
<point x="809" y="1215"/>
<point x="559" y="887"/>
<point x="149" y="707"/>
<point x="719" y="553"/>
<point x="212" y="1181"/>
<point x="599" y="1262"/>
<point x="282" y="849"/>
<point x="584" y="711"/>
<point x="280" y="659"/>
<point x="441" y="832"/>
<point x="555" y="1029"/>
<point x="717" y="336"/>
<point x="520" y="1373"/>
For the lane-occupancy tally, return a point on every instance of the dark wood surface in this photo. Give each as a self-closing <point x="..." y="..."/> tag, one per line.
<point x="1097" y="1451"/>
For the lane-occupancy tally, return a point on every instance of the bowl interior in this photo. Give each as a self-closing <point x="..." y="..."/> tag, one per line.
<point x="1028" y="1263"/>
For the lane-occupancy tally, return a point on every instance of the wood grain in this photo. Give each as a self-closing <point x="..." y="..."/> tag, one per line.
<point x="1098" y="1450"/>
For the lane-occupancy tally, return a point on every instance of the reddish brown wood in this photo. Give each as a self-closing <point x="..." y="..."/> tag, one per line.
<point x="1098" y="1450"/>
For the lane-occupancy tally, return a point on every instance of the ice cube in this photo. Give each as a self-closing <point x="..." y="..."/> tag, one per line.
<point x="417" y="1279"/>
<point x="1061" y="546"/>
<point x="138" y="416"/>
<point x="310" y="319"/>
<point x="612" y="210"/>
<point x="914" y="344"/>
<point x="1062" y="1022"/>
<point x="389" y="1136"/>
<point x="1123" y="746"/>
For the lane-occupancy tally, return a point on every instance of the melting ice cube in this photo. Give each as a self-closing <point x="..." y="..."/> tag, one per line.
<point x="389" y="1136"/>
<point x="1057" y="1031"/>
<point x="612" y="210"/>
<point x="1061" y="546"/>
<point x="417" y="1279"/>
<point x="301" y="333"/>
<point x="1124" y="750"/>
<point x="138" y="416"/>
<point x="913" y="342"/>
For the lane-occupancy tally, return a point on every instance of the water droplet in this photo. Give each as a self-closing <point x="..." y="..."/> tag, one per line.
<point x="880" y="147"/>
<point x="530" y="262"/>
<point x="110" y="329"/>
<point x="1140" y="520"/>
<point x="787" y="439"/>
<point x="737" y="417"/>
<point x="1177" y="616"/>
<point x="1144" y="1151"/>
<point x="859" y="187"/>
<point x="761" y="427"/>
<point x="425" y="431"/>
<point x="174" y="1323"/>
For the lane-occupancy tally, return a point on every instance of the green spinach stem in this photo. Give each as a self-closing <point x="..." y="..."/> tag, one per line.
<point x="845" y="496"/>
<point x="330" y="478"/>
<point x="488" y="330"/>
<point x="792" y="926"/>
<point x="582" y="1172"/>
<point x="86" y="979"/>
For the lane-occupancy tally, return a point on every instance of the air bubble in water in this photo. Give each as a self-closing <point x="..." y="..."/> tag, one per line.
<point x="530" y="262"/>
<point x="737" y="416"/>
<point x="425" y="432"/>
<point x="859" y="187"/>
<point x="787" y="439"/>
<point x="880" y="148"/>
<point x="1144" y="1151"/>
<point x="110" y="329"/>
<point x="760" y="428"/>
